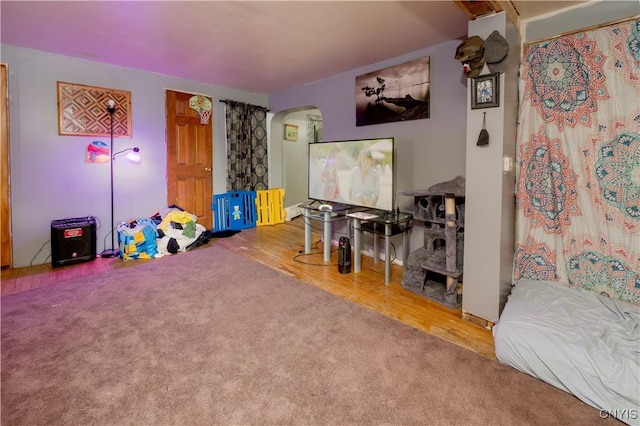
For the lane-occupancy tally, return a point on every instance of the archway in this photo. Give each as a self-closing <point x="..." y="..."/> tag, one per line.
<point x="288" y="160"/>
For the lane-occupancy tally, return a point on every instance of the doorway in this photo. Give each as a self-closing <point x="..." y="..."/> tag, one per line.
<point x="295" y="173"/>
<point x="189" y="158"/>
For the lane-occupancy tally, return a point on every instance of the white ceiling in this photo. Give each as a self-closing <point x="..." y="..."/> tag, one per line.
<point x="256" y="46"/>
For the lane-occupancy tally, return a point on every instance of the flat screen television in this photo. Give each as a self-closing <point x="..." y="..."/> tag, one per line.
<point x="353" y="172"/>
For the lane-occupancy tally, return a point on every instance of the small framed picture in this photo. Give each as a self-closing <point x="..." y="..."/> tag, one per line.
<point x="290" y="132"/>
<point x="485" y="91"/>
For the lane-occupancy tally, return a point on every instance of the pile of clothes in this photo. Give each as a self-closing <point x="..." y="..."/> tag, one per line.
<point x="168" y="231"/>
<point x="178" y="231"/>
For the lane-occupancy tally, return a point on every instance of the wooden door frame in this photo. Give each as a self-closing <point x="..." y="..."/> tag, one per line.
<point x="171" y="171"/>
<point x="6" y="242"/>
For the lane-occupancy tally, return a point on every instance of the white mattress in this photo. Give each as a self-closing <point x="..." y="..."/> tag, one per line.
<point x="578" y="341"/>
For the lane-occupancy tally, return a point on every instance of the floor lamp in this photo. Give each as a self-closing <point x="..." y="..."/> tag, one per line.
<point x="133" y="155"/>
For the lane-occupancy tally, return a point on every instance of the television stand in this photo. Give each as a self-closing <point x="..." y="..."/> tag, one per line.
<point x="376" y="222"/>
<point x="381" y="225"/>
<point x="327" y="218"/>
<point x="337" y="207"/>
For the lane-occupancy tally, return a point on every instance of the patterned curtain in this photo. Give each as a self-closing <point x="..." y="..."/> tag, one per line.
<point x="578" y="162"/>
<point x="246" y="147"/>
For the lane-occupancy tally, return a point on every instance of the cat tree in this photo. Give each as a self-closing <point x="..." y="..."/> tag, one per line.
<point x="434" y="270"/>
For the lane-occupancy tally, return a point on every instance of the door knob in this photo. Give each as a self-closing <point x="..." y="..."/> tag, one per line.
<point x="208" y="169"/>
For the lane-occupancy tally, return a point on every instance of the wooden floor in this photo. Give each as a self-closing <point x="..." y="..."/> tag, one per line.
<point x="281" y="247"/>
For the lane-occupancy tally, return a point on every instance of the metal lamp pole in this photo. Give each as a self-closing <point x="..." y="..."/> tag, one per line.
<point x="111" y="108"/>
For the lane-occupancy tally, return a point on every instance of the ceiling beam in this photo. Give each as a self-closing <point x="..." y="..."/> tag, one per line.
<point x="478" y="8"/>
<point x="512" y="12"/>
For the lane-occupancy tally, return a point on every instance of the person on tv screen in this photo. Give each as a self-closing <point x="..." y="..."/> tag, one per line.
<point x="329" y="177"/>
<point x="364" y="188"/>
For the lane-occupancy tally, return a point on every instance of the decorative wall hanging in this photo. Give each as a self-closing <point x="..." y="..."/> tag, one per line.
<point x="98" y="152"/>
<point x="82" y="111"/>
<point x="290" y="132"/>
<point x="203" y="106"/>
<point x="397" y="93"/>
<point x="578" y="204"/>
<point x="314" y="128"/>
<point x="485" y="91"/>
<point x="483" y="137"/>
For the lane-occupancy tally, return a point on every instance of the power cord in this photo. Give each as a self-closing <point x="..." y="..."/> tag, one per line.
<point x="104" y="241"/>
<point x="394" y="252"/>
<point x="295" y="259"/>
<point x="393" y="246"/>
<point x="38" y="252"/>
<point x="310" y="223"/>
<point x="301" y="253"/>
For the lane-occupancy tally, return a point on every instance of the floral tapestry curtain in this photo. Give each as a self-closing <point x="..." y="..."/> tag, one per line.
<point x="246" y="127"/>
<point x="578" y="162"/>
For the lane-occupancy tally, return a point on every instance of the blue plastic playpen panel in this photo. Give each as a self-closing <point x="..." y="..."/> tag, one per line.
<point x="234" y="211"/>
<point x="220" y="207"/>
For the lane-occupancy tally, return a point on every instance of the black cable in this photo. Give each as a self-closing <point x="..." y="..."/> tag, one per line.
<point x="310" y="223"/>
<point x="395" y="253"/>
<point x="295" y="259"/>
<point x="302" y="253"/>
<point x="38" y="252"/>
<point x="104" y="241"/>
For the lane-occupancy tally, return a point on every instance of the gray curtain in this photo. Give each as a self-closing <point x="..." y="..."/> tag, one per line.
<point x="246" y="147"/>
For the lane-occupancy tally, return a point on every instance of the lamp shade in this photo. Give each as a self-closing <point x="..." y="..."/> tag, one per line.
<point x="134" y="155"/>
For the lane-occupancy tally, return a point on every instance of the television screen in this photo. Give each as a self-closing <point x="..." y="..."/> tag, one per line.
<point x="353" y="172"/>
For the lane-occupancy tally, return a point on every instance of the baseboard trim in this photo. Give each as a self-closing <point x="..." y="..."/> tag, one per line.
<point x="292" y="212"/>
<point x="477" y="320"/>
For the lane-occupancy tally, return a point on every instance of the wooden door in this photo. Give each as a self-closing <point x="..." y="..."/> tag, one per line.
<point x="189" y="159"/>
<point x="5" y="197"/>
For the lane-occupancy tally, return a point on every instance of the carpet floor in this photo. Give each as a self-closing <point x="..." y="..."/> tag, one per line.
<point x="210" y="337"/>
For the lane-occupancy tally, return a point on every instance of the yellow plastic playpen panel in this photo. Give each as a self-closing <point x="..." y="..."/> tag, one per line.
<point x="270" y="206"/>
